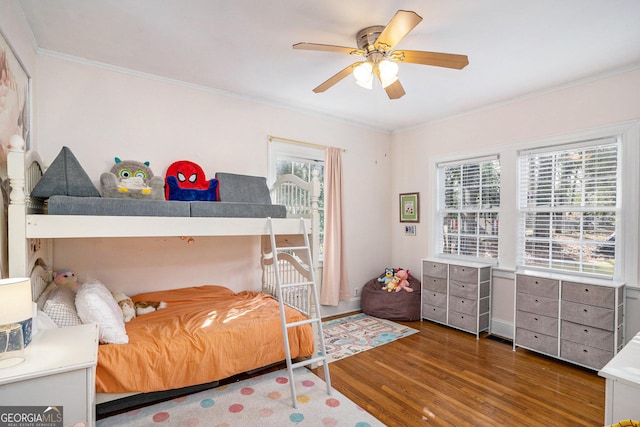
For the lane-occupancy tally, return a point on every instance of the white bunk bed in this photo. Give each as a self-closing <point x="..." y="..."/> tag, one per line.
<point x="31" y="231"/>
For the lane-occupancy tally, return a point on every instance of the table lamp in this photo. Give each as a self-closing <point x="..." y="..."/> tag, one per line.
<point x="15" y="320"/>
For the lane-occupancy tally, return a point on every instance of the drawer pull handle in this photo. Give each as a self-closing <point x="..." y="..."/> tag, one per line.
<point x="586" y="290"/>
<point x="585" y="350"/>
<point x="535" y="318"/>
<point x="537" y="301"/>
<point x="535" y="336"/>
<point x="585" y="310"/>
<point x="586" y="331"/>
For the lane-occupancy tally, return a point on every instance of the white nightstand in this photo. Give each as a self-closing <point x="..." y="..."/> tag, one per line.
<point x="59" y="370"/>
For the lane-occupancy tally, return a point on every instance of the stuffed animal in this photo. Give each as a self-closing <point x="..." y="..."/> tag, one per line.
<point x="403" y="283"/>
<point x="132" y="309"/>
<point x="66" y="279"/>
<point x="186" y="181"/>
<point x="132" y="179"/>
<point x="388" y="275"/>
<point x="392" y="284"/>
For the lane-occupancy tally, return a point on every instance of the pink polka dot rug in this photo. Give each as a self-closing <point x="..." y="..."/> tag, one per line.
<point x="259" y="401"/>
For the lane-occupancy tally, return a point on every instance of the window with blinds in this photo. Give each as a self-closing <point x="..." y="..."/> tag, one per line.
<point x="568" y="207"/>
<point x="469" y="201"/>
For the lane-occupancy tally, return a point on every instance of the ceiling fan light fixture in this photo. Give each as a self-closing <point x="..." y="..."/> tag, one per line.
<point x="363" y="71"/>
<point x="388" y="72"/>
<point x="367" y="84"/>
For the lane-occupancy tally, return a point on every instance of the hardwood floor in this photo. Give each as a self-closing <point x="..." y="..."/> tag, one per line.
<point x="442" y="377"/>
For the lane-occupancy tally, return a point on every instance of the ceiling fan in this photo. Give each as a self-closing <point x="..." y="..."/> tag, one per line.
<point x="376" y="45"/>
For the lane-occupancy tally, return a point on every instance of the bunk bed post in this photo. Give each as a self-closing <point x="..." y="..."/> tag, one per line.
<point x="17" y="212"/>
<point x="315" y="223"/>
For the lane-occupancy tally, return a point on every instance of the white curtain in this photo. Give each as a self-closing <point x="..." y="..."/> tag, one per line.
<point x="335" y="287"/>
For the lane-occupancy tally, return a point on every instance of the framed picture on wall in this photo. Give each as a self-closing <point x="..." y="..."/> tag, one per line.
<point x="15" y="118"/>
<point x="409" y="207"/>
<point x="409" y="230"/>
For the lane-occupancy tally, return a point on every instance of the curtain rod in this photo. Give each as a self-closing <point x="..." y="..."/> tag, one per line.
<point x="295" y="141"/>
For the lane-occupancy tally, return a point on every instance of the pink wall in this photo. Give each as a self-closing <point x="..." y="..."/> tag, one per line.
<point x="502" y="129"/>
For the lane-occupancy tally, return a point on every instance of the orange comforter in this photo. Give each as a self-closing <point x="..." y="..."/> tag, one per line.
<point x="205" y="334"/>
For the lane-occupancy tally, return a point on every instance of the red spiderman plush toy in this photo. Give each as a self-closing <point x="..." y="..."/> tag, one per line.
<point x="186" y="181"/>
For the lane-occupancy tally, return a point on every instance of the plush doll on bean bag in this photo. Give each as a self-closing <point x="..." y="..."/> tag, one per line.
<point x="403" y="282"/>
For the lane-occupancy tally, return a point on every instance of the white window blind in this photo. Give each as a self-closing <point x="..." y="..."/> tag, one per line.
<point x="568" y="207"/>
<point x="469" y="201"/>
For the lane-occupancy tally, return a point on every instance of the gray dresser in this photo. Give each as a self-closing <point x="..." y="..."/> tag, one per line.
<point x="457" y="294"/>
<point x="580" y="321"/>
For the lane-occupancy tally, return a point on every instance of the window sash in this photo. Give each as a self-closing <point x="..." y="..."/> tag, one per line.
<point x="469" y="203"/>
<point x="568" y="203"/>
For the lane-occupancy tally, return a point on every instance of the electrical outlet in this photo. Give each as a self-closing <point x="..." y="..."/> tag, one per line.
<point x="356" y="292"/>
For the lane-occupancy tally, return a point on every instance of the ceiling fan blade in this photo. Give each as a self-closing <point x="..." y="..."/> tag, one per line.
<point x="395" y="90"/>
<point x="329" y="48"/>
<point x="449" y="60"/>
<point x="335" y="78"/>
<point x="400" y="25"/>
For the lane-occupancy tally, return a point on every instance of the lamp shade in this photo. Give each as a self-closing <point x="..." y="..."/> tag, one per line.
<point x="15" y="304"/>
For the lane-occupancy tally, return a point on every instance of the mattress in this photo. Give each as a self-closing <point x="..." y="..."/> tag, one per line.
<point x="205" y="334"/>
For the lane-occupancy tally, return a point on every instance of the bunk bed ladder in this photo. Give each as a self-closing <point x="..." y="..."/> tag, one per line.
<point x="313" y="317"/>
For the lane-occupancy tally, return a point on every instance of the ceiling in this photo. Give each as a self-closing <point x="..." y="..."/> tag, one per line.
<point x="243" y="48"/>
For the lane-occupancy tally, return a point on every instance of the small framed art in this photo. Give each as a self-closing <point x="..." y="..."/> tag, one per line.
<point x="409" y="207"/>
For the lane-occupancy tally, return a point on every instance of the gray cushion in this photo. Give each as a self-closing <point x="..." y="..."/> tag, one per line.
<point x="65" y="177"/>
<point x="243" y="188"/>
<point x="65" y="205"/>
<point x="237" y="210"/>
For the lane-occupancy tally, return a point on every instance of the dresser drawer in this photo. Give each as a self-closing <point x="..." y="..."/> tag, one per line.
<point x="600" y="296"/>
<point x="463" y="305"/>
<point x="537" y="304"/>
<point x="434" y="269"/>
<point x="437" y="299"/>
<point x="463" y="274"/>
<point x="584" y="354"/>
<point x="463" y="290"/>
<point x="588" y="335"/>
<point x="437" y="284"/>
<point x="431" y="312"/>
<point x="537" y="341"/>
<point x="589" y="315"/>
<point x="468" y="322"/>
<point x="537" y="286"/>
<point x="537" y="323"/>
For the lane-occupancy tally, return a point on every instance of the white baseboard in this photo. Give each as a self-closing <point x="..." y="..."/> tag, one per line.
<point x="343" y="307"/>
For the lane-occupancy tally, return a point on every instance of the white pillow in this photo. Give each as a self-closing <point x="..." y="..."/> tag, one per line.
<point x="60" y="306"/>
<point x="95" y="304"/>
<point x="45" y="322"/>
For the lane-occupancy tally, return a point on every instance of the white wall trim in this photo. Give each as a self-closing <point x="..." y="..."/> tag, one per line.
<point x="526" y="96"/>
<point x="203" y="88"/>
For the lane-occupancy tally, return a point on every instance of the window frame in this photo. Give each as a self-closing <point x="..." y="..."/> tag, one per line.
<point x="288" y="150"/>
<point x="564" y="211"/>
<point x="443" y="211"/>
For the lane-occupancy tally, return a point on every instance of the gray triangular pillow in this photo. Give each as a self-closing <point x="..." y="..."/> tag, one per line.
<point x="65" y="177"/>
